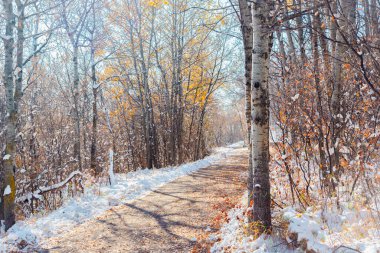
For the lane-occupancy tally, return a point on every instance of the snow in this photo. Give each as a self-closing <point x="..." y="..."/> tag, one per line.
<point x="295" y="97"/>
<point x="99" y="198"/>
<point x="5" y="37"/>
<point x="7" y="190"/>
<point x="6" y="157"/>
<point x="351" y="227"/>
<point x="37" y="193"/>
<point x="307" y="229"/>
<point x="233" y="237"/>
<point x="235" y="145"/>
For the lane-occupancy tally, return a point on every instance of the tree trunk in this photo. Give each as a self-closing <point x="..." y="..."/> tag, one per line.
<point x="300" y="33"/>
<point x="321" y="137"/>
<point x="344" y="24"/>
<point x="374" y="18"/>
<point x="246" y="26"/>
<point x="77" y="146"/>
<point x="289" y="37"/>
<point x="367" y="22"/>
<point x="8" y="190"/>
<point x="262" y="42"/>
<point x="93" y="162"/>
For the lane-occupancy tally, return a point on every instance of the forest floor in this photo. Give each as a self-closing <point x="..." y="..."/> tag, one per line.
<point x="169" y="219"/>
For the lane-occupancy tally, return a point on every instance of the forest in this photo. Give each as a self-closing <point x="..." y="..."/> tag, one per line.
<point x="257" y="121"/>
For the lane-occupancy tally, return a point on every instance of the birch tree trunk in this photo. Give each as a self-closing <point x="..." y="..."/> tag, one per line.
<point x="8" y="189"/>
<point x="246" y="26"/>
<point x="20" y="53"/>
<point x="260" y="115"/>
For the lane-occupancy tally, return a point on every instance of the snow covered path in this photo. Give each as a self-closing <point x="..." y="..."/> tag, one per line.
<point x="165" y="220"/>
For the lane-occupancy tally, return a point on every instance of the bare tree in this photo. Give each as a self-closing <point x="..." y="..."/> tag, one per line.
<point x="74" y="31"/>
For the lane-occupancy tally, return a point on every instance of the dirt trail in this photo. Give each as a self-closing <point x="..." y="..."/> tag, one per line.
<point x="165" y="220"/>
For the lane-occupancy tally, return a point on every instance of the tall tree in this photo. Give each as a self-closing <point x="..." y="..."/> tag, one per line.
<point x="256" y="17"/>
<point x="8" y="189"/>
<point x="262" y="44"/>
<point x="345" y="23"/>
<point x="247" y="31"/>
<point x="74" y="30"/>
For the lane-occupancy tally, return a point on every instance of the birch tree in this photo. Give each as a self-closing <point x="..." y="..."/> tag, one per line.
<point x="14" y="65"/>
<point x="262" y="44"/>
<point x="8" y="187"/>
<point x="246" y="27"/>
<point x="256" y="17"/>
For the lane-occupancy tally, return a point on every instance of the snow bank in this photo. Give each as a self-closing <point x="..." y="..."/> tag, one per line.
<point x="353" y="226"/>
<point x="236" y="145"/>
<point x="351" y="229"/>
<point x="98" y="199"/>
<point x="233" y="237"/>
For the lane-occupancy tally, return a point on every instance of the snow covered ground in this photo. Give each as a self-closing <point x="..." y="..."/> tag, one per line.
<point x="98" y="199"/>
<point x="353" y="226"/>
<point x="350" y="229"/>
<point x="233" y="236"/>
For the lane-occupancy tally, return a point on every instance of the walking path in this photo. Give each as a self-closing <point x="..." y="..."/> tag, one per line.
<point x="166" y="220"/>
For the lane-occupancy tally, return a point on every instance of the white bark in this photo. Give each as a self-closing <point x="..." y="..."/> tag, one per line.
<point x="7" y="206"/>
<point x="260" y="115"/>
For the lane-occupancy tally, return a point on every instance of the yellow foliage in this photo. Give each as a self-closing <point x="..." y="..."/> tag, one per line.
<point x="157" y="3"/>
<point x="289" y="3"/>
<point x="199" y="84"/>
<point x="153" y="3"/>
<point x="220" y="18"/>
<point x="282" y="116"/>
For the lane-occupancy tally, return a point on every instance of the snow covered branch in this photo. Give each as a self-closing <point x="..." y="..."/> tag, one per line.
<point x="37" y="194"/>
